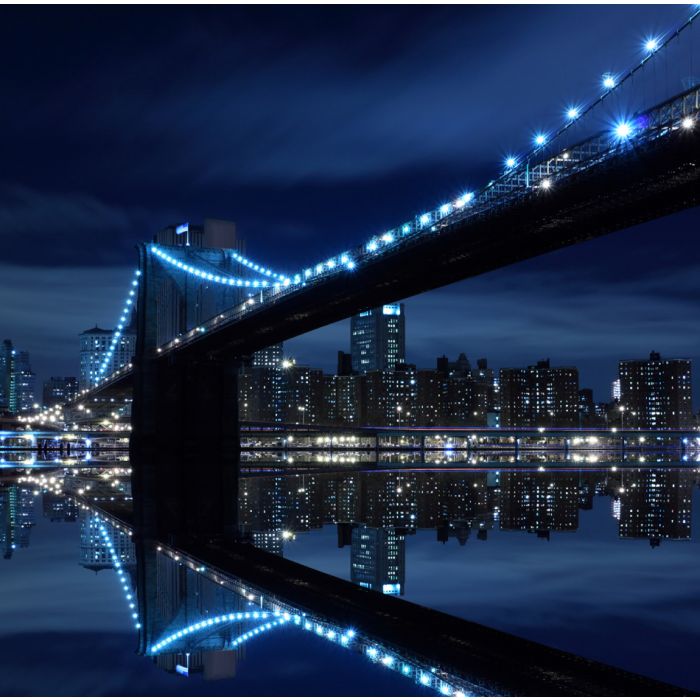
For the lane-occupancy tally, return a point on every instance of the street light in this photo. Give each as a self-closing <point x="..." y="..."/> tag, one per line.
<point x="622" y="417"/>
<point x="302" y="409"/>
<point x="398" y="410"/>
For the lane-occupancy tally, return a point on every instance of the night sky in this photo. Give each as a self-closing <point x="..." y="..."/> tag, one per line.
<point x="314" y="128"/>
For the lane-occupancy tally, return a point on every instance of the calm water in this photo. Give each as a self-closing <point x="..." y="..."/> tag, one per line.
<point x="592" y="557"/>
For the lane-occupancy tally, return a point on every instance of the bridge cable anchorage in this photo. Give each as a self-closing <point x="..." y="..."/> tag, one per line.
<point x="129" y="304"/>
<point x="118" y="568"/>
<point x="208" y="276"/>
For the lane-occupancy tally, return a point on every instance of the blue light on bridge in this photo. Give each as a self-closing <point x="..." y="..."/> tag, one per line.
<point x="609" y="81"/>
<point x="651" y="44"/>
<point x="572" y="113"/>
<point x="540" y="139"/>
<point x="510" y="162"/>
<point x="623" y="130"/>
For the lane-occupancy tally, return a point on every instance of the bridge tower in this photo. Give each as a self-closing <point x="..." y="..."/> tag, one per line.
<point x="185" y="445"/>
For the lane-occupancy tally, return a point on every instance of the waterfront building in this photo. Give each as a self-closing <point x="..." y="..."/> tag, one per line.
<point x="302" y="394"/>
<point x="656" y="393"/>
<point x="391" y="396"/>
<point x="539" y="396"/>
<point x="8" y="395"/>
<point x="586" y="408"/>
<point x="25" y="381"/>
<point x="261" y="386"/>
<point x="430" y="408"/>
<point x="94" y="344"/>
<point x="343" y="399"/>
<point x="378" y="338"/>
<point x="59" y="390"/>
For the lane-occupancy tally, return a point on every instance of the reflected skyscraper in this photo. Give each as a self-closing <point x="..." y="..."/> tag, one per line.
<point x="94" y="551"/>
<point x="655" y="504"/>
<point x="16" y="518"/>
<point x="378" y="559"/>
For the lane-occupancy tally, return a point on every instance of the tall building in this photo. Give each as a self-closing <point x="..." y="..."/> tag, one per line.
<point x="8" y="395"/>
<point x="59" y="390"/>
<point x="94" y="344"/>
<point x="260" y="390"/>
<point x="539" y="396"/>
<point x="378" y="338"/>
<point x="615" y="390"/>
<point x="656" y="393"/>
<point x="302" y="394"/>
<point x="25" y="381"/>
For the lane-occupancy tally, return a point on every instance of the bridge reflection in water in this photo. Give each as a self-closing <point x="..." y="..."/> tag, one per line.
<point x="198" y="606"/>
<point x="201" y="619"/>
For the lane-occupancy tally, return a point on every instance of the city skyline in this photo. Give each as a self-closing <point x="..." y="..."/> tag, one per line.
<point x="588" y="306"/>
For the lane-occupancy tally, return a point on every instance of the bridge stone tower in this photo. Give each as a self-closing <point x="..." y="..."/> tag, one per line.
<point x="185" y="446"/>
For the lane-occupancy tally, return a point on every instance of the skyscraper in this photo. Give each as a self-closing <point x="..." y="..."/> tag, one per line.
<point x="94" y="343"/>
<point x="656" y="393"/>
<point x="25" y="381"/>
<point x="8" y="397"/>
<point x="378" y="338"/>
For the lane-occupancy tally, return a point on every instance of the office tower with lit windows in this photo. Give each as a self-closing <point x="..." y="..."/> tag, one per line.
<point x="656" y="393"/>
<point x="391" y="396"/>
<point x="260" y="386"/>
<point x="8" y="394"/>
<point x="378" y="338"/>
<point x="25" y="381"/>
<point x="59" y="390"/>
<point x="539" y="396"/>
<point x="94" y="344"/>
<point x="302" y="394"/>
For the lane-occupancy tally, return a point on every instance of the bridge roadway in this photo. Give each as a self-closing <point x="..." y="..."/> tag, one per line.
<point x="501" y="663"/>
<point x="638" y="183"/>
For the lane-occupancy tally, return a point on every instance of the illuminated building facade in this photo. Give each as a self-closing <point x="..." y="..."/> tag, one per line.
<point x="378" y="338"/>
<point x="94" y="344"/>
<point x="656" y="393"/>
<point x="539" y="395"/>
